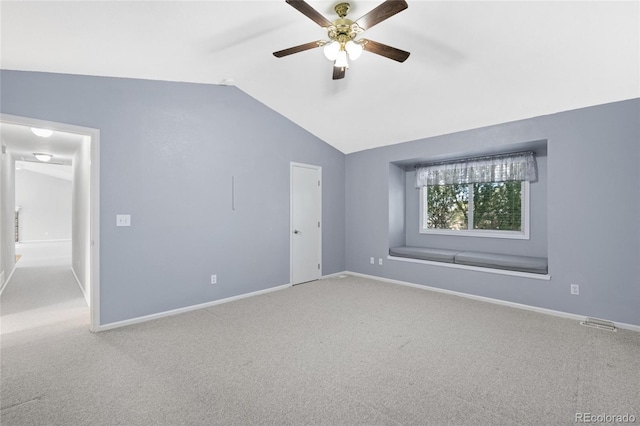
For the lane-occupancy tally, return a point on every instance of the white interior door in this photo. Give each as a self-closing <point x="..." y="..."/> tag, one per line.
<point x="306" y="235"/>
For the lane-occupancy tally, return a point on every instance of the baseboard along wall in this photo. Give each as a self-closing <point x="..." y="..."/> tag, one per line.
<point x="43" y="241"/>
<point x="84" y="293"/>
<point x="545" y="311"/>
<point x="4" y="284"/>
<point x="118" y="324"/>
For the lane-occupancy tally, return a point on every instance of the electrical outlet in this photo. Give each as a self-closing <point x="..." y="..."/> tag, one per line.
<point x="214" y="279"/>
<point x="372" y="260"/>
<point x="380" y="261"/>
<point x="575" y="289"/>
<point x="123" y="220"/>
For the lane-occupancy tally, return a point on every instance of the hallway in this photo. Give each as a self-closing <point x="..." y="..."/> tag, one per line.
<point x="43" y="297"/>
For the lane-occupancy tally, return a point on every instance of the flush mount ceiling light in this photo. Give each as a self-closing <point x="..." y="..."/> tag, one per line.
<point x="43" y="133"/>
<point x="45" y="158"/>
<point x="342" y="44"/>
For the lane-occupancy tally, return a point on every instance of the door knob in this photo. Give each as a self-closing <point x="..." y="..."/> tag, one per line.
<point x="297" y="232"/>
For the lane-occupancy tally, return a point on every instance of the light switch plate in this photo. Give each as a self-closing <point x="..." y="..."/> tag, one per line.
<point x="123" y="220"/>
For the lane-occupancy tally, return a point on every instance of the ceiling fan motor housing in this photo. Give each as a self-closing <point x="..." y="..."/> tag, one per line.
<point x="343" y="29"/>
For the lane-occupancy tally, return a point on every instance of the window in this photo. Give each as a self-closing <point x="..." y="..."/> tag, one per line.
<point x="493" y="209"/>
<point x="482" y="196"/>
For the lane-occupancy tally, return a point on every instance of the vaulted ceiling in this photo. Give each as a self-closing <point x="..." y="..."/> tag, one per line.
<point x="472" y="63"/>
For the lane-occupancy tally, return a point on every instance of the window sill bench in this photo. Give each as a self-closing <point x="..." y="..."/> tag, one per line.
<point x="519" y="266"/>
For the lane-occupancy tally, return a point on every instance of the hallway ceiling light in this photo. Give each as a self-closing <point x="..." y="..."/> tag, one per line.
<point x="45" y="158"/>
<point x="43" y="133"/>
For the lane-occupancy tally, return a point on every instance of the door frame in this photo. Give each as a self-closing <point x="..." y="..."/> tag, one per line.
<point x="293" y="164"/>
<point x="93" y="138"/>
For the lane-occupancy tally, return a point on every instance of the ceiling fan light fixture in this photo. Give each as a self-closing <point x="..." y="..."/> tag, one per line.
<point x="353" y="49"/>
<point x="341" y="60"/>
<point x="331" y="50"/>
<point x="45" y="158"/>
<point x="341" y="46"/>
<point x="43" y="133"/>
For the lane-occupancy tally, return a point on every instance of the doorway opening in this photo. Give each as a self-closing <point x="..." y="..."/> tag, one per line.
<point x="58" y="144"/>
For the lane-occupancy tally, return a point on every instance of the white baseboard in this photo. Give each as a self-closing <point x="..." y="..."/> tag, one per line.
<point x="42" y="241"/>
<point x="86" y="299"/>
<point x="4" y="285"/>
<point x="336" y="275"/>
<point x="561" y="314"/>
<point x="146" y="318"/>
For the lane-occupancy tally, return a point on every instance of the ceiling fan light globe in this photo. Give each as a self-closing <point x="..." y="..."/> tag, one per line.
<point x="341" y="60"/>
<point x="353" y="49"/>
<point x="331" y="50"/>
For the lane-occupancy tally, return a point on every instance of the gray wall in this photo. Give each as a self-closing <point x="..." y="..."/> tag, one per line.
<point x="45" y="202"/>
<point x="397" y="199"/>
<point x="168" y="151"/>
<point x="592" y="226"/>
<point x="167" y="155"/>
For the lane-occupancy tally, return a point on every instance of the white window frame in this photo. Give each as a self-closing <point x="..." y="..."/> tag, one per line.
<point x="520" y="235"/>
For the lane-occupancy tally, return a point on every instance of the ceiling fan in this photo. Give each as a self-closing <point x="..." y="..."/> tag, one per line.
<point x="342" y="33"/>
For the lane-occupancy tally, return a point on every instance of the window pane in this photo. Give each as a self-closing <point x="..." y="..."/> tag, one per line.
<point x="447" y="207"/>
<point x="497" y="206"/>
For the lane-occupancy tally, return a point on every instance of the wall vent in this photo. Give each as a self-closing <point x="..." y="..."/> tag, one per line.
<point x="598" y="323"/>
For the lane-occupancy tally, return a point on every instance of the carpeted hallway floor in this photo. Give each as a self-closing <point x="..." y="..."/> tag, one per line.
<point x="333" y="352"/>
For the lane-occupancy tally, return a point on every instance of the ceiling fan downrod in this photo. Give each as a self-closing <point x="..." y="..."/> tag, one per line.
<point x="342" y="9"/>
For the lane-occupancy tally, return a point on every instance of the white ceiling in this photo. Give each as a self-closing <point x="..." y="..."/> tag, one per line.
<point x="472" y="63"/>
<point x="22" y="143"/>
<point x="54" y="170"/>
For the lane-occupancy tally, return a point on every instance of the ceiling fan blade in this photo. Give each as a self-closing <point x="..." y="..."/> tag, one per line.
<point x="338" y="72"/>
<point x="310" y="12"/>
<point x="384" y="11"/>
<point x="300" y="48"/>
<point x="384" y="50"/>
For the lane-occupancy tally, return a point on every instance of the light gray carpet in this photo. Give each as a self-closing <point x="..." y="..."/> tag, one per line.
<point x="337" y="351"/>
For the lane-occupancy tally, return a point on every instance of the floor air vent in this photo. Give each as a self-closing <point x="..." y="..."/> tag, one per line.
<point x="598" y="323"/>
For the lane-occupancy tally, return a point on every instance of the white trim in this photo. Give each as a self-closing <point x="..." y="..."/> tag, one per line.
<point x="331" y="276"/>
<point x="631" y="327"/>
<point x="6" y="283"/>
<point x="172" y="312"/>
<point x="94" y="231"/>
<point x="522" y="235"/>
<point x="545" y="277"/>
<point x="84" y="294"/>
<point x="293" y="164"/>
<point x="43" y="241"/>
<point x="93" y="138"/>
